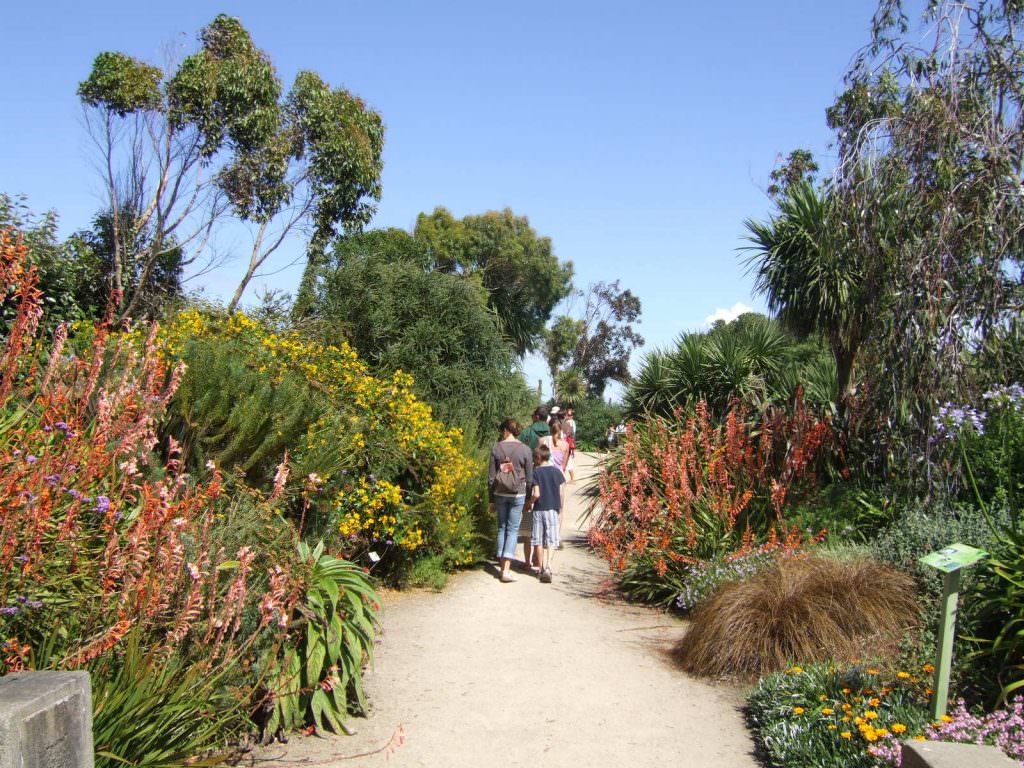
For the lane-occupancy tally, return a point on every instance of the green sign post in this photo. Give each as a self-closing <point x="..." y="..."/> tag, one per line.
<point x="949" y="561"/>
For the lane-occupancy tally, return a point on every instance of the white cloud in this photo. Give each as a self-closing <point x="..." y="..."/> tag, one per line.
<point x="728" y="315"/>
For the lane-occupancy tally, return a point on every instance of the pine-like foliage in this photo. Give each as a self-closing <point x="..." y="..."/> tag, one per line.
<point x="379" y="295"/>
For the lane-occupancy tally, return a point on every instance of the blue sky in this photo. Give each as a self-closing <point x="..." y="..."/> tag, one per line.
<point x="637" y="137"/>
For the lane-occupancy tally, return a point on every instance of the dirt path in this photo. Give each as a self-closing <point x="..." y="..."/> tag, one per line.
<point x="531" y="674"/>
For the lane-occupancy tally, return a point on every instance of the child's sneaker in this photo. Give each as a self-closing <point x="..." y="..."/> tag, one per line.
<point x="545" y="576"/>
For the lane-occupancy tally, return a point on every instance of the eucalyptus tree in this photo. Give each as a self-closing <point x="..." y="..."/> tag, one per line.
<point x="609" y="314"/>
<point x="798" y="167"/>
<point x="215" y="138"/>
<point x="932" y="118"/>
<point x="560" y="340"/>
<point x="590" y="345"/>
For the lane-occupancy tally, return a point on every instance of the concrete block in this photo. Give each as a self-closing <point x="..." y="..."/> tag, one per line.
<point x="945" y="754"/>
<point x="46" y="720"/>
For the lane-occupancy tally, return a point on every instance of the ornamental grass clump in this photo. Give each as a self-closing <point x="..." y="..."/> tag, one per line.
<point x="704" y="579"/>
<point x="800" y="609"/>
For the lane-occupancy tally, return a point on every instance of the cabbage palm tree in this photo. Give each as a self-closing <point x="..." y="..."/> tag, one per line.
<point x="812" y="275"/>
<point x="746" y="359"/>
<point x="687" y="366"/>
<point x="651" y="391"/>
<point x="570" y="387"/>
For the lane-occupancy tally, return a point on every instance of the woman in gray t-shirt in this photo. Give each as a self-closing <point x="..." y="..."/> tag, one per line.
<point x="509" y="475"/>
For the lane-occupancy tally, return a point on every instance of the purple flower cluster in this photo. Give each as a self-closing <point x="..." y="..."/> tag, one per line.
<point x="888" y="751"/>
<point x="705" y="578"/>
<point x="1006" y="396"/>
<point x="77" y="495"/>
<point x="22" y="603"/>
<point x="1003" y="728"/>
<point x="954" y="421"/>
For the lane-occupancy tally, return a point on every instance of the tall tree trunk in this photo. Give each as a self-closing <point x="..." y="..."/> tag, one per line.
<point x="844" y="377"/>
<point x="241" y="288"/>
<point x="255" y="259"/>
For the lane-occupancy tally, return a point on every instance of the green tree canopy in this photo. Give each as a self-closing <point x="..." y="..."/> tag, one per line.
<point x="373" y="291"/>
<point x="71" y="273"/>
<point x="217" y="137"/>
<point x="929" y="186"/>
<point x="799" y="167"/>
<point x="523" y="277"/>
<point x="560" y="341"/>
<point x="76" y="274"/>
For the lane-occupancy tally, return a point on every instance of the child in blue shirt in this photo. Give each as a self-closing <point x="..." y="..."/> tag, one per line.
<point x="547" y="498"/>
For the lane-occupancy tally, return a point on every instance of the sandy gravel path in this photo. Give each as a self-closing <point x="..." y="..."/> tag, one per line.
<point x="531" y="674"/>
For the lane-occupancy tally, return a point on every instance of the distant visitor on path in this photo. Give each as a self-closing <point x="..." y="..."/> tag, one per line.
<point x="532" y="435"/>
<point x="560" y="451"/>
<point x="569" y="430"/>
<point x="547" y="497"/>
<point x="509" y="476"/>
<point x="559" y="446"/>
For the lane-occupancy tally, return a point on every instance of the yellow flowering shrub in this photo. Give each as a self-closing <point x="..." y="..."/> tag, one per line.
<point x="391" y="478"/>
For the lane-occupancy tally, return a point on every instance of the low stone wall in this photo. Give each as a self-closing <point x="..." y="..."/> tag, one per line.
<point x="940" y="754"/>
<point x="46" y="720"/>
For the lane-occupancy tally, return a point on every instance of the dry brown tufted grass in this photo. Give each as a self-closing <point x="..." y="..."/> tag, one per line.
<point x="805" y="610"/>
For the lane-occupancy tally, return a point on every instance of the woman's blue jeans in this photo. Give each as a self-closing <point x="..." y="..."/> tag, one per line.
<point x="510" y="515"/>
